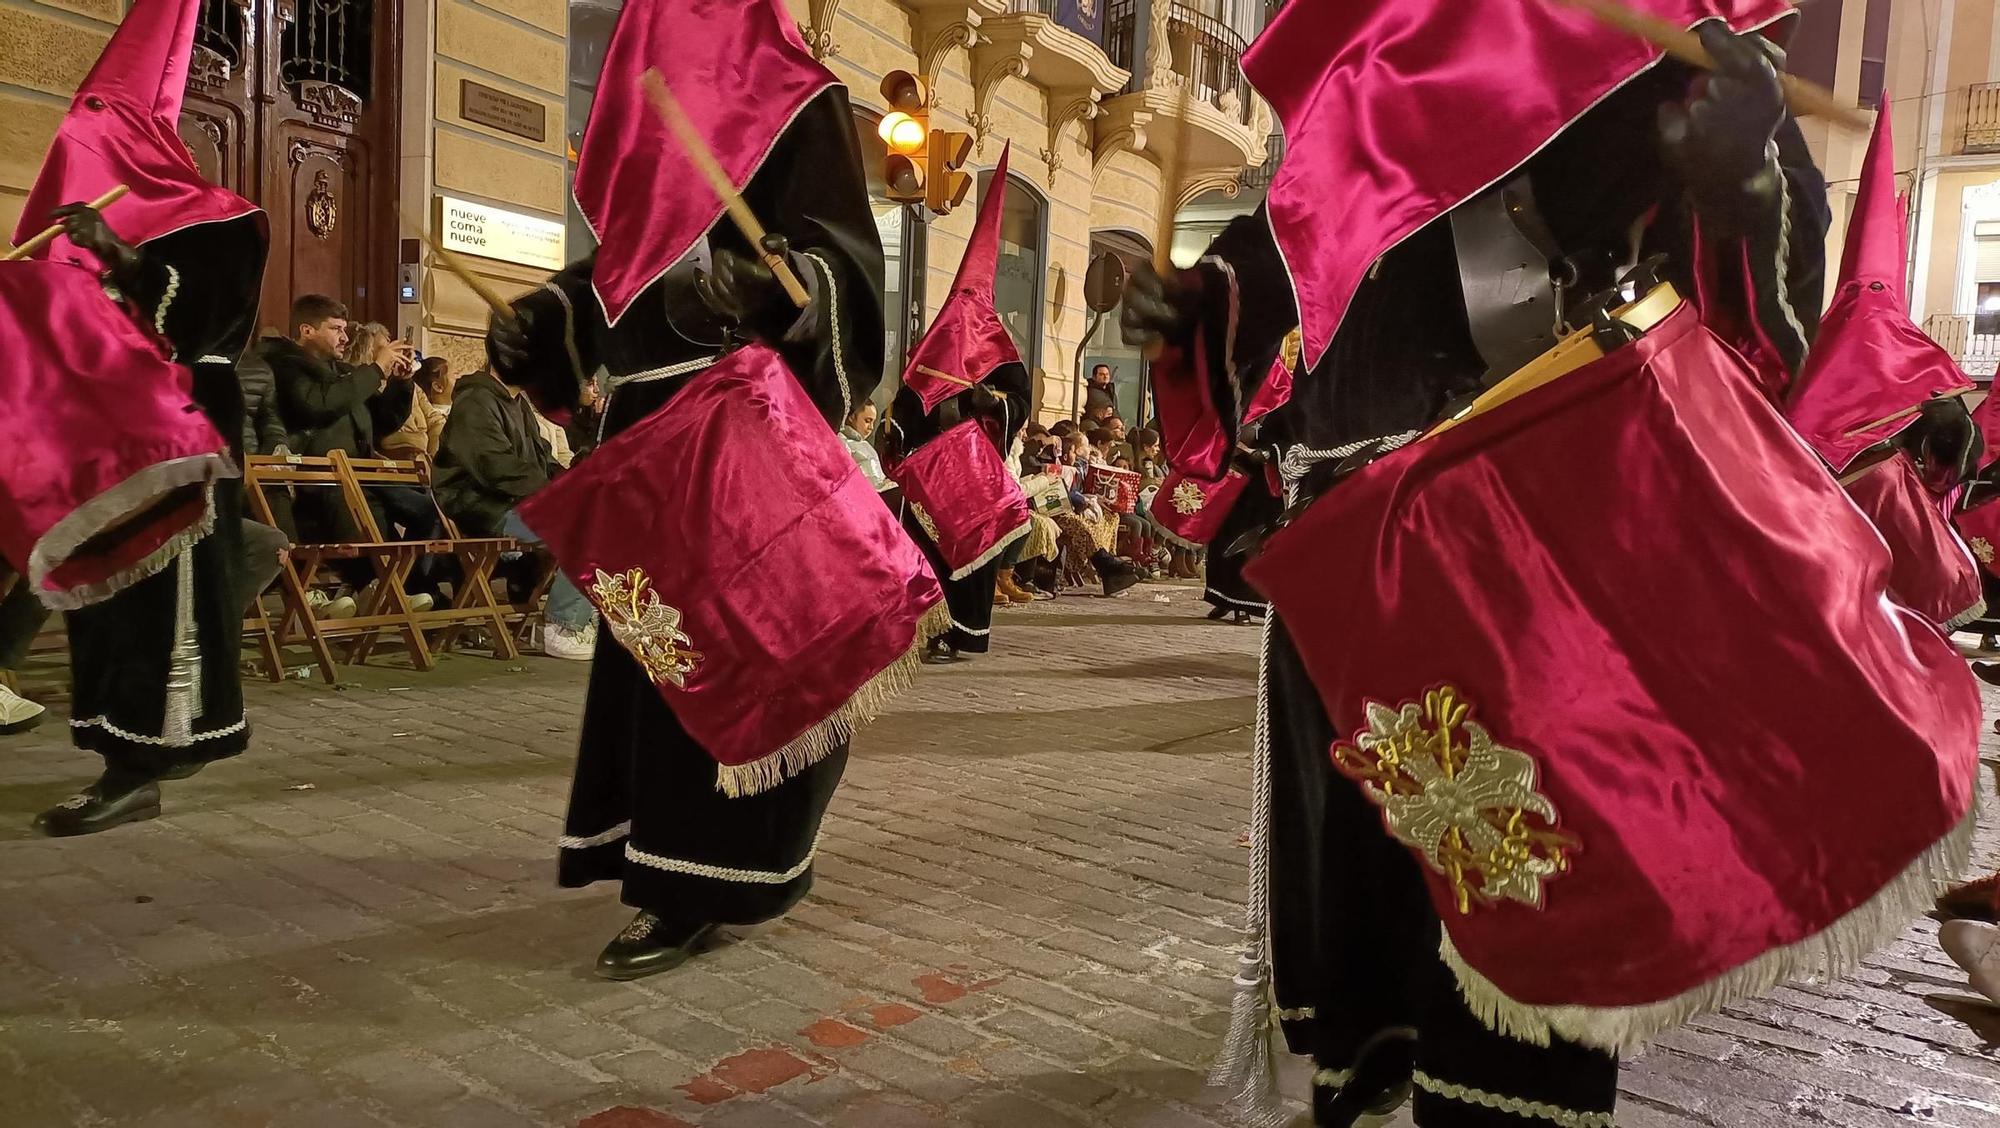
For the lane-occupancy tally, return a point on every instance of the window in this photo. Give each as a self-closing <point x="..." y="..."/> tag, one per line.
<point x="1017" y="282"/>
<point x="1106" y="344"/>
<point x="902" y="255"/>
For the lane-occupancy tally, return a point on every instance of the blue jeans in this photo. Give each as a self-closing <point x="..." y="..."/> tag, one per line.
<point x="567" y="607"/>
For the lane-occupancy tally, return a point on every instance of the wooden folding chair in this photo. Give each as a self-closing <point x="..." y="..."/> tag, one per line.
<point x="473" y="601"/>
<point x="299" y="564"/>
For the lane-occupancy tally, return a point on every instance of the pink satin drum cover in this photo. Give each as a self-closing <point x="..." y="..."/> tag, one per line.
<point x="738" y="552"/>
<point x="1198" y="492"/>
<point x="1642" y="580"/>
<point x="965" y="494"/>
<point x="1930" y="570"/>
<point x="1192" y="509"/>
<point x="1980" y="528"/>
<point x="89" y="403"/>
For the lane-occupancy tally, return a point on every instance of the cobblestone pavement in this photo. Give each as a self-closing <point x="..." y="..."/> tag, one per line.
<point x="1024" y="916"/>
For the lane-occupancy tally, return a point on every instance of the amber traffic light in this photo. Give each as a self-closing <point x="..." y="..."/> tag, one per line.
<point x="905" y="132"/>
<point x="945" y="187"/>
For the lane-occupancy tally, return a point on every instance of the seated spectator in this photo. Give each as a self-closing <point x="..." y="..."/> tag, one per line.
<point x="328" y="404"/>
<point x="858" y="432"/>
<point x="417" y="437"/>
<point x="587" y="420"/>
<point x="21" y="618"/>
<point x="557" y="439"/>
<point x="492" y="457"/>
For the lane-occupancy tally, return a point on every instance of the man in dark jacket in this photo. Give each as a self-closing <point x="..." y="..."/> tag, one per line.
<point x="492" y="456"/>
<point x="327" y="405"/>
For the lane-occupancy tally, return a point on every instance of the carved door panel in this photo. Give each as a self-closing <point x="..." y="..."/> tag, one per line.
<point x="323" y="243"/>
<point x="218" y="116"/>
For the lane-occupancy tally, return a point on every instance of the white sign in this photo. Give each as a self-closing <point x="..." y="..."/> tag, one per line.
<point x="496" y="233"/>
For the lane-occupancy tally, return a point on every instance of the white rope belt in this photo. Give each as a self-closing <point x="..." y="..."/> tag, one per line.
<point x="1298" y="461"/>
<point x="667" y="373"/>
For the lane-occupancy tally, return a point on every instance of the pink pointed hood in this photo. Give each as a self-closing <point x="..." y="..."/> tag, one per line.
<point x="1871" y="367"/>
<point x="121" y="129"/>
<point x="968" y="341"/>
<point x="740" y="72"/>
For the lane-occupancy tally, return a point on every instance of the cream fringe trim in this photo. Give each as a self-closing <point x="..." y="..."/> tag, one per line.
<point x="1832" y="953"/>
<point x="1971" y="614"/>
<point x="106" y="510"/>
<point x="814" y="744"/>
<point x="988" y="556"/>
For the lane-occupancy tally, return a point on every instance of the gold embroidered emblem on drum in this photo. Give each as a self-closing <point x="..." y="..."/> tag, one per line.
<point x="647" y="628"/>
<point x="1465" y="802"/>
<point x="1188" y="499"/>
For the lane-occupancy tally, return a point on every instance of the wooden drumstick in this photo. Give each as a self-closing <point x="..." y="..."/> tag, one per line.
<point x="458" y="266"/>
<point x="47" y="234"/>
<point x="959" y="380"/>
<point x="711" y="171"/>
<point x="1806" y="99"/>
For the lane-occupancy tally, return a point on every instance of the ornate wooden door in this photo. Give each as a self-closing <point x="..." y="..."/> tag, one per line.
<point x="293" y="103"/>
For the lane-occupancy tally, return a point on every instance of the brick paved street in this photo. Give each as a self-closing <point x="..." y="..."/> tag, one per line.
<point x="1027" y="895"/>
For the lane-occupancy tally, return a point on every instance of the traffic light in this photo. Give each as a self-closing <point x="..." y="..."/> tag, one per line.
<point x="945" y="187"/>
<point x="905" y="132"/>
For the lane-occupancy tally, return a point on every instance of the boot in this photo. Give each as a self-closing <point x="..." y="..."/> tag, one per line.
<point x="1115" y="574"/>
<point x="1014" y="592"/>
<point x="649" y="946"/>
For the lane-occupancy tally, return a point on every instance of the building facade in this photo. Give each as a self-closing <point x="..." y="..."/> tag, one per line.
<point x="352" y="121"/>
<point x="1935" y="65"/>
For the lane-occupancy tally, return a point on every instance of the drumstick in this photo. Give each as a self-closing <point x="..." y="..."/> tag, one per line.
<point x="457" y="266"/>
<point x="1903" y="414"/>
<point x="1806" y="99"/>
<point x="959" y="380"/>
<point x="45" y="235"/>
<point x="704" y="160"/>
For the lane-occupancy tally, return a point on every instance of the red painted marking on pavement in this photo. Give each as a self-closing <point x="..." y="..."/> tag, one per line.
<point x="706" y="1090"/>
<point x="627" y="1117"/>
<point x="833" y="1034"/>
<point x="937" y="989"/>
<point x="754" y="1071"/>
<point x="892" y="1014"/>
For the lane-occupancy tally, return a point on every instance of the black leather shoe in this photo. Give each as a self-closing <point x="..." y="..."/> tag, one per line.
<point x="184" y="771"/>
<point x="649" y="946"/>
<point x="939" y="651"/>
<point x="1116" y="574"/>
<point x="1988" y="672"/>
<point x="98" y="808"/>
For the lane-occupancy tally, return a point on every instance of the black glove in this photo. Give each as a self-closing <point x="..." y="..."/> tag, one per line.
<point x="1159" y="310"/>
<point x="742" y="289"/>
<point x="85" y="227"/>
<point x="507" y="341"/>
<point x="1720" y="142"/>
<point x="1946" y="442"/>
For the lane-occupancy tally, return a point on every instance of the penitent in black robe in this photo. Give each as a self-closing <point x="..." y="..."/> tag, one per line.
<point x="155" y="681"/>
<point x="1000" y="403"/>
<point x="644" y="810"/>
<point x="1353" y="937"/>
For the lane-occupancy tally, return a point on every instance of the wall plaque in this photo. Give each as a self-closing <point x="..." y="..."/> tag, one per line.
<point x="508" y="113"/>
<point x="497" y="233"/>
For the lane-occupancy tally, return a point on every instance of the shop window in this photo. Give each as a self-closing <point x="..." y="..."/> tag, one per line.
<point x="1017" y="282"/>
<point x="1106" y="345"/>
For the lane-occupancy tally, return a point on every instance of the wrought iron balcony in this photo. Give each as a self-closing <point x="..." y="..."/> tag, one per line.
<point x="1183" y="41"/>
<point x="1982" y="119"/>
<point x="1977" y="353"/>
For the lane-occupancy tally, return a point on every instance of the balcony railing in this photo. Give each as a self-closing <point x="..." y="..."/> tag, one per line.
<point x="1045" y="7"/>
<point x="1977" y="353"/>
<point x="1260" y="177"/>
<point x="1203" y="50"/>
<point x="1982" y="119"/>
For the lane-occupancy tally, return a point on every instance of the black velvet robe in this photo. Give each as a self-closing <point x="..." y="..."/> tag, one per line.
<point x="969" y="598"/>
<point x="644" y="809"/>
<point x="1353" y="937"/>
<point x="154" y="674"/>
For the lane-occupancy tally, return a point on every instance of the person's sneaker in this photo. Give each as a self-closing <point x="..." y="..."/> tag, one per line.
<point x="326" y="607"/>
<point x="572" y="646"/>
<point x="1975" y="946"/>
<point x="17" y="713"/>
<point x="1974" y="900"/>
<point x="422" y="602"/>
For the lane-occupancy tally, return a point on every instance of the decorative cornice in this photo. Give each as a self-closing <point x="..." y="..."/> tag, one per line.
<point x="940" y="28"/>
<point x="818" y="27"/>
<point x="1065" y="111"/>
<point x="1228" y="181"/>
